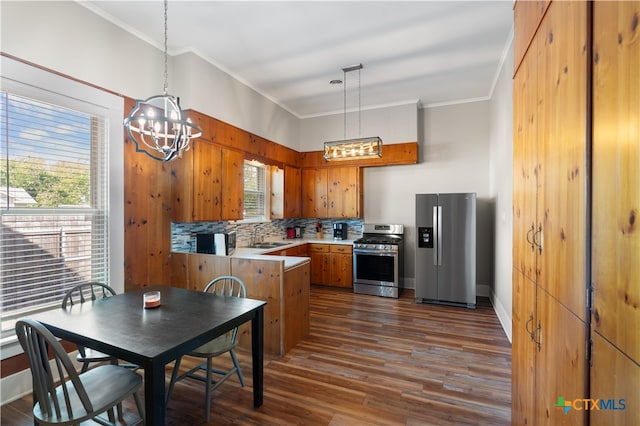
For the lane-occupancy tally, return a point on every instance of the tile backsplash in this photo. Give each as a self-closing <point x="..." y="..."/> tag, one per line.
<point x="183" y="234"/>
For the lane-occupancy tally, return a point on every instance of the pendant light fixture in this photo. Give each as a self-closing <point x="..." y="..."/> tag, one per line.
<point x="351" y="149"/>
<point x="157" y="125"/>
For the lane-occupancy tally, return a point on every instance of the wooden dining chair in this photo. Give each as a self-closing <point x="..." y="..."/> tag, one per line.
<point x="77" y="397"/>
<point x="83" y="293"/>
<point x="227" y="286"/>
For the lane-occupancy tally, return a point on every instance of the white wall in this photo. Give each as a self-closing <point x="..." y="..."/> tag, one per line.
<point x="70" y="39"/>
<point x="454" y="157"/>
<point x="394" y="124"/>
<point x="210" y="90"/>
<point x="501" y="184"/>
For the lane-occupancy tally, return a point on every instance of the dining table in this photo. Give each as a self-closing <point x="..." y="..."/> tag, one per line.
<point x="122" y="327"/>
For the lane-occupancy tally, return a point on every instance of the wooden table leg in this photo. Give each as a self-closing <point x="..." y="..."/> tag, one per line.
<point x="257" y="354"/>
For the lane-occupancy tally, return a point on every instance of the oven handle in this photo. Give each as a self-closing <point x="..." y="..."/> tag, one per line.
<point x="375" y="252"/>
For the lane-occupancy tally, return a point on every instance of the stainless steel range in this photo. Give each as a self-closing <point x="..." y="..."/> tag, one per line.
<point x="378" y="260"/>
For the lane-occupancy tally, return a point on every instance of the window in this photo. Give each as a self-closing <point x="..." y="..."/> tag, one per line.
<point x="255" y="191"/>
<point x="56" y="213"/>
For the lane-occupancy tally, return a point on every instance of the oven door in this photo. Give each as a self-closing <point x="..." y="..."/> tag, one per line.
<point x="375" y="267"/>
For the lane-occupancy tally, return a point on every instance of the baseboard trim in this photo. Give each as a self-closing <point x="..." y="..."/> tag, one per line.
<point x="503" y="316"/>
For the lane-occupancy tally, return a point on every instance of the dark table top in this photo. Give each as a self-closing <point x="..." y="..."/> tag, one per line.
<point x="120" y="326"/>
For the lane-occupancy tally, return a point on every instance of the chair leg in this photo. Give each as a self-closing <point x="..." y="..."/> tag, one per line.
<point x="236" y="364"/>
<point x="174" y="374"/>
<point x="136" y="397"/>
<point x="207" y="401"/>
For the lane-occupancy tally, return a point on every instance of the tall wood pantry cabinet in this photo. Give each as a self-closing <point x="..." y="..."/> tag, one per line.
<point x="576" y="193"/>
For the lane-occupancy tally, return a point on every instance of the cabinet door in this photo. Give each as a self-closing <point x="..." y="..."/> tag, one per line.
<point x="561" y="362"/>
<point x="525" y="166"/>
<point x="207" y="185"/>
<point x="616" y="179"/>
<point x="320" y="263"/>
<point x="526" y="16"/>
<point x="292" y="192"/>
<point x="314" y="193"/>
<point x="615" y="380"/>
<point x="341" y="266"/>
<point x="344" y="192"/>
<point x="232" y="184"/>
<point x="523" y="350"/>
<point x="182" y="184"/>
<point x="562" y="136"/>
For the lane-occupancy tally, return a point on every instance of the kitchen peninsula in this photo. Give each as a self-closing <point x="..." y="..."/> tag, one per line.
<point x="270" y="274"/>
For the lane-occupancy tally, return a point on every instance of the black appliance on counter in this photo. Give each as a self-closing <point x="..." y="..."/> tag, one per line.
<point x="378" y="260"/>
<point x="222" y="243"/>
<point x="339" y="231"/>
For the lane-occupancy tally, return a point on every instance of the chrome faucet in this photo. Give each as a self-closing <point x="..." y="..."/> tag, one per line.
<point x="255" y="238"/>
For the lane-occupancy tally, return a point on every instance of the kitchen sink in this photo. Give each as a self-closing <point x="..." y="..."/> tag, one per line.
<point x="273" y="244"/>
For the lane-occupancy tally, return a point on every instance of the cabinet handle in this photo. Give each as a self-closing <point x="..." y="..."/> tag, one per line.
<point x="529" y="240"/>
<point x="539" y="243"/>
<point x="526" y="326"/>
<point x="539" y="339"/>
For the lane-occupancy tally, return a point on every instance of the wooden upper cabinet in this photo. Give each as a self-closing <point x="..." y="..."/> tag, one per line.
<point x="314" y="192"/>
<point x="527" y="16"/>
<point x="232" y="184"/>
<point x="207" y="184"/>
<point x="344" y="193"/>
<point x="292" y="192"/>
<point x="333" y="192"/>
<point x="525" y="167"/>
<point x="182" y="185"/>
<point x="563" y="143"/>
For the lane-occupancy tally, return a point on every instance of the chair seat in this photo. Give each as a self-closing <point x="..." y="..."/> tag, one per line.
<point x="106" y="384"/>
<point x="215" y="347"/>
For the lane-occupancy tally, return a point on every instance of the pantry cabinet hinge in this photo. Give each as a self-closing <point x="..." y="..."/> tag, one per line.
<point x="589" y="351"/>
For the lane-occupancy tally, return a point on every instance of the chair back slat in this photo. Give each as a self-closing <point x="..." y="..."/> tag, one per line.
<point x="86" y="292"/>
<point x="228" y="286"/>
<point x="35" y="339"/>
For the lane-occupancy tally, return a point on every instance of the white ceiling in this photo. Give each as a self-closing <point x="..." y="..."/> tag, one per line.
<point x="431" y="52"/>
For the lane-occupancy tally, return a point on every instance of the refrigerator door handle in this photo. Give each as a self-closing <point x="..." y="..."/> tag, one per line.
<point x="436" y="235"/>
<point x="439" y="238"/>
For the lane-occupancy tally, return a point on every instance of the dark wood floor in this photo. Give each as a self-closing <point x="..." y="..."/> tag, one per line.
<point x="368" y="361"/>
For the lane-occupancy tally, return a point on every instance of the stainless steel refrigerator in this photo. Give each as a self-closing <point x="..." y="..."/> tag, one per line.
<point x="446" y="249"/>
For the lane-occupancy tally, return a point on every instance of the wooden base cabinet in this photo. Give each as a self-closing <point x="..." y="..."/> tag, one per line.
<point x="341" y="269"/>
<point x="331" y="264"/>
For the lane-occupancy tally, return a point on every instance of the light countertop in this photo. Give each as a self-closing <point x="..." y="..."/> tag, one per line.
<point x="289" y="261"/>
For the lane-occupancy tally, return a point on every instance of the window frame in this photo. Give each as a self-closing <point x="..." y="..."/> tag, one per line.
<point x="46" y="86"/>
<point x="266" y="193"/>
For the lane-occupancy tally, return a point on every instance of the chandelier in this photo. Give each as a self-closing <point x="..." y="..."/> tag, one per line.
<point x="349" y="149"/>
<point x="157" y="125"/>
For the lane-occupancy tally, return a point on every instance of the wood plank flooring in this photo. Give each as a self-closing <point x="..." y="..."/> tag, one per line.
<point x="367" y="361"/>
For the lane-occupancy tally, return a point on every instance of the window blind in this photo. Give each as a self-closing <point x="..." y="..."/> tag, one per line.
<point x="254" y="191"/>
<point x="53" y="203"/>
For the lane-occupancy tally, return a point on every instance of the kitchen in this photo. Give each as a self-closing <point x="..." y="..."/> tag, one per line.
<point x="463" y="147"/>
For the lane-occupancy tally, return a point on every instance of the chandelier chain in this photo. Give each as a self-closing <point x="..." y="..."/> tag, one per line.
<point x="344" y="91"/>
<point x="166" y="67"/>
